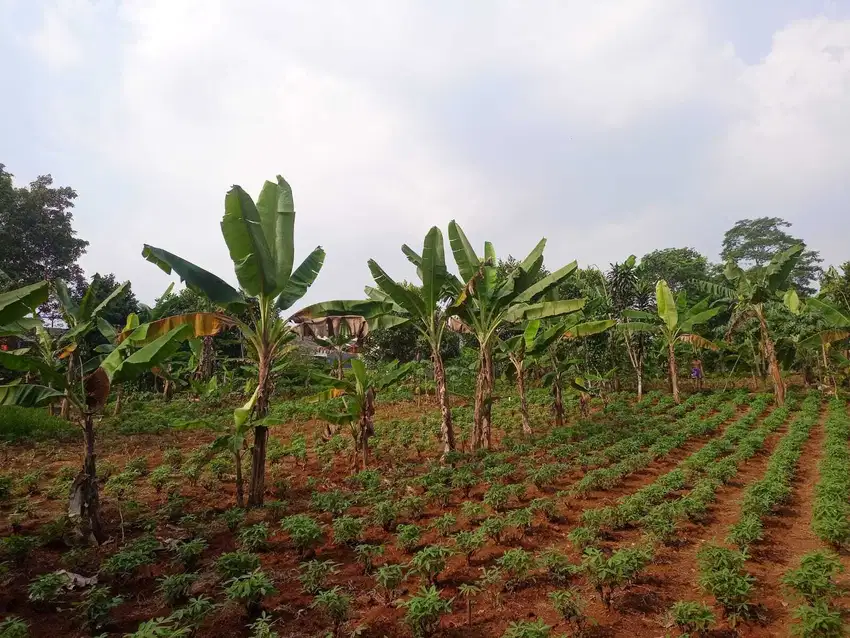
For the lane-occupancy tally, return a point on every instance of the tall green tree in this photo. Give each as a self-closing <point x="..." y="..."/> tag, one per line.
<point x="679" y="267"/>
<point x="261" y="240"/>
<point x="36" y="233"/>
<point x="391" y="304"/>
<point x="754" y="242"/>
<point x="487" y="305"/>
<point x="749" y="292"/>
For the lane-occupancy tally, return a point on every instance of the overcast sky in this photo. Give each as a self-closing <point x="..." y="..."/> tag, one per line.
<point x="609" y="127"/>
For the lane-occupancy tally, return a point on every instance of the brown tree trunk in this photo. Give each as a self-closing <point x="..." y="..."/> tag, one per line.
<point x="339" y="374"/>
<point x="205" y="365"/>
<point x="65" y="411"/>
<point x="168" y="390"/>
<point x="85" y="500"/>
<point x="639" y="384"/>
<point x="257" y="486"/>
<point x="367" y="427"/>
<point x="523" y="401"/>
<point x="481" y="434"/>
<point x="558" y="402"/>
<point x="118" y="395"/>
<point x="772" y="363"/>
<point x="674" y="381"/>
<point x="446" y="429"/>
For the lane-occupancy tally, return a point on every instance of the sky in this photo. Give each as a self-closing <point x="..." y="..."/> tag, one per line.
<point x="611" y="128"/>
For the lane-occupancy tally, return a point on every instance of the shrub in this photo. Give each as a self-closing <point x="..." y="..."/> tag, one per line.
<point x="347" y="530"/>
<point x="123" y="564"/>
<point x="305" y="531"/>
<point x="366" y="555"/>
<point x="412" y="506"/>
<point x="191" y="615"/>
<point x="96" y="605"/>
<point x="14" y="627"/>
<point x="47" y="587"/>
<point x="250" y="589"/>
<point x="424" y="611"/>
<point x="607" y="574"/>
<point x="444" y="524"/>
<point x="159" y="477"/>
<point x="464" y="479"/>
<point x="819" y="620"/>
<point x="233" y="518"/>
<point x="473" y="511"/>
<point x="137" y="466"/>
<point x="385" y="513"/>
<point x="17" y="547"/>
<point x="528" y="629"/>
<point x="262" y="627"/>
<point x="188" y="552"/>
<point x="407" y="537"/>
<point x="722" y="575"/>
<point x="497" y="497"/>
<point x="335" y="604"/>
<point x="314" y="573"/>
<point x="691" y="617"/>
<point x="255" y="538"/>
<point x="814" y="579"/>
<point x="428" y="562"/>
<point x="175" y="588"/>
<point x="518" y="565"/>
<point x="570" y="605"/>
<point x="493" y="527"/>
<point x="389" y="578"/>
<point x="18" y="425"/>
<point x="560" y="569"/>
<point x="173" y="457"/>
<point x="334" y="502"/>
<point x="467" y="543"/>
<point x="234" y="564"/>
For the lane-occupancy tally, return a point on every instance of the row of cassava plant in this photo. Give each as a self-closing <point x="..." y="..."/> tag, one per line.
<point x="831" y="515"/>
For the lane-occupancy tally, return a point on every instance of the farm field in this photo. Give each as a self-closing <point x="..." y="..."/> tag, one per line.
<point x="642" y="519"/>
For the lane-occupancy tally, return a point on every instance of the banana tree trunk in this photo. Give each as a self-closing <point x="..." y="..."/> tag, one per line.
<point x="205" y="366"/>
<point x="446" y="428"/>
<point x="65" y="411"/>
<point x="674" y="372"/>
<point x="240" y="489"/>
<point x="523" y="401"/>
<point x="558" y="402"/>
<point x="772" y="364"/>
<point x="118" y="395"/>
<point x="257" y="486"/>
<point x="481" y="434"/>
<point x="367" y="427"/>
<point x="339" y="373"/>
<point x="639" y="384"/>
<point x="84" y="498"/>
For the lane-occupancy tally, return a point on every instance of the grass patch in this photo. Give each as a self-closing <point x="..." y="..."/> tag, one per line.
<point x="19" y="425"/>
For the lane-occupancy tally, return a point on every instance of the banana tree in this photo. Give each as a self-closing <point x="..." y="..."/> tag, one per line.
<point x="749" y="291"/>
<point x="391" y="304"/>
<point x="358" y="397"/>
<point x="533" y="344"/>
<point x="260" y="239"/>
<point x="674" y="323"/>
<point x="486" y="305"/>
<point x="89" y="394"/>
<point x="838" y="329"/>
<point x="81" y="320"/>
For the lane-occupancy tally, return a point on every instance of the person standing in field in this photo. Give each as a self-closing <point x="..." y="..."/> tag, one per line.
<point x="696" y="372"/>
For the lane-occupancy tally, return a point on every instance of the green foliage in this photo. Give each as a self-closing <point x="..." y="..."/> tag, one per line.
<point x="250" y="589"/>
<point x="235" y="564"/>
<point x="473" y="511"/>
<point x="335" y="502"/>
<point x="175" y="588"/>
<point x="528" y="629"/>
<point x="407" y="537"/>
<point x="335" y="604"/>
<point x="444" y="524"/>
<point x="691" y="617"/>
<point x="721" y="574"/>
<point x="314" y="573"/>
<point x="467" y="543"/>
<point x="159" y="477"/>
<point x="814" y="580"/>
<point x="570" y="606"/>
<point x="818" y="620"/>
<point x="124" y="564"/>
<point x="497" y="497"/>
<point x="255" y="538"/>
<point x="389" y="578"/>
<point x="18" y="547"/>
<point x="96" y="605"/>
<point x="262" y="627"/>
<point x="558" y="565"/>
<point x="188" y="552"/>
<point x="46" y="588"/>
<point x="607" y="574"/>
<point x="493" y="527"/>
<point x="233" y="518"/>
<point x="366" y="555"/>
<point x="22" y="425"/>
<point x="518" y="565"/>
<point x="304" y="530"/>
<point x="14" y="627"/>
<point x="424" y="611"/>
<point x="385" y="513"/>
<point x="347" y="530"/>
<point x="428" y="562"/>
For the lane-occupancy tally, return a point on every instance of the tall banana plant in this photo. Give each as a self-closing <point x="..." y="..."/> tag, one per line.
<point x="486" y="305"/>
<point x="88" y="395"/>
<point x="674" y="322"/>
<point x="534" y="343"/>
<point x="260" y="239"/>
<point x="390" y="304"/>
<point x="747" y="293"/>
<point x="358" y="394"/>
<point x="837" y="329"/>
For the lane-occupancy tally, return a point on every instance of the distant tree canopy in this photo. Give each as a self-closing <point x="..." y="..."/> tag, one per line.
<point x="679" y="267"/>
<point x="120" y="307"/>
<point x="36" y="234"/>
<point x="752" y="242"/>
